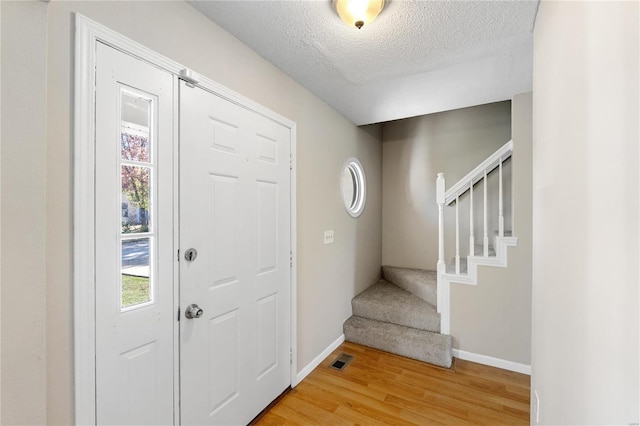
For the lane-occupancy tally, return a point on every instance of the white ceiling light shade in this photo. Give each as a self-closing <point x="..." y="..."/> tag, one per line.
<point x="357" y="13"/>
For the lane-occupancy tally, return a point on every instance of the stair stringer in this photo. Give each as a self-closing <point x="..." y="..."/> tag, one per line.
<point x="445" y="280"/>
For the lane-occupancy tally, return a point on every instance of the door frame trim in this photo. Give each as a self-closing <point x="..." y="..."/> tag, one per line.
<point x="87" y="34"/>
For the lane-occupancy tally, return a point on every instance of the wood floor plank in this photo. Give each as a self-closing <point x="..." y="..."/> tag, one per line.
<point x="484" y="383"/>
<point x="324" y="400"/>
<point x="472" y="410"/>
<point x="361" y="398"/>
<point x="486" y="400"/>
<point x="321" y="415"/>
<point x="291" y="415"/>
<point x="357" y="417"/>
<point x="432" y="418"/>
<point x="505" y="376"/>
<point x="273" y="419"/>
<point x="342" y="385"/>
<point x="378" y="388"/>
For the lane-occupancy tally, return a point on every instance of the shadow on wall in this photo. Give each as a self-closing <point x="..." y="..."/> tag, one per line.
<point x="414" y="151"/>
<point x="368" y="239"/>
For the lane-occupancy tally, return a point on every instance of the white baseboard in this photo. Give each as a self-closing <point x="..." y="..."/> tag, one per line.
<point x="317" y="360"/>
<point x="493" y="362"/>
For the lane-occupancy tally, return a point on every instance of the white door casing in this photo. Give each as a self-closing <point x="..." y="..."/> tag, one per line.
<point x="234" y="210"/>
<point x="134" y="344"/>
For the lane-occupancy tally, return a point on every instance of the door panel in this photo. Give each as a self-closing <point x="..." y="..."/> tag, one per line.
<point x="267" y="335"/>
<point x="135" y="314"/>
<point x="234" y="209"/>
<point x="225" y="228"/>
<point x="223" y="366"/>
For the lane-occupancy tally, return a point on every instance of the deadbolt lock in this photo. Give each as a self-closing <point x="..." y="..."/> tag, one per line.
<point x="191" y="254"/>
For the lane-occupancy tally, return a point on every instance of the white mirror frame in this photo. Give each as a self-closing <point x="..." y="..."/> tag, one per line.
<point x="355" y="203"/>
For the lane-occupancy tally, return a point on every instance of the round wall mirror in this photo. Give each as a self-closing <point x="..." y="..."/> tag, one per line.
<point x="354" y="187"/>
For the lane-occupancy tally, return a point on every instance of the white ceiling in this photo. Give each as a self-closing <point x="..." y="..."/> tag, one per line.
<point x="418" y="57"/>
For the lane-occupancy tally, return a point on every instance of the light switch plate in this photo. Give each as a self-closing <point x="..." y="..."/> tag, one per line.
<point x="328" y="237"/>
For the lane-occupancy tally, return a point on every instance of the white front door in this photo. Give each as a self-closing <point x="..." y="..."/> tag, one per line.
<point x="134" y="286"/>
<point x="233" y="205"/>
<point x="235" y="212"/>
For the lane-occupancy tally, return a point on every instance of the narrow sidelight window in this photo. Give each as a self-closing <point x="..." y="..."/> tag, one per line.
<point x="137" y="199"/>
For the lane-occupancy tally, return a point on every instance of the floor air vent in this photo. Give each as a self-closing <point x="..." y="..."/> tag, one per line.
<point x="342" y="361"/>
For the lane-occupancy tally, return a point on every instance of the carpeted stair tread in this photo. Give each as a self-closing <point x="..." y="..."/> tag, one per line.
<point x="419" y="282"/>
<point x="387" y="302"/>
<point x="422" y="345"/>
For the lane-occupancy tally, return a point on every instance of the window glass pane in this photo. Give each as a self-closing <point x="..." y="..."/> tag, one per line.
<point x="354" y="181"/>
<point x="136" y="272"/>
<point x="135" y="199"/>
<point x="348" y="187"/>
<point x="354" y="187"/>
<point x="134" y="139"/>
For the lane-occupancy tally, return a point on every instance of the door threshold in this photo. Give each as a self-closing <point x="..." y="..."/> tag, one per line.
<point x="269" y="407"/>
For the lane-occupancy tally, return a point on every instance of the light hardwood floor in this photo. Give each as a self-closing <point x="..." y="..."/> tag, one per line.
<point x="378" y="388"/>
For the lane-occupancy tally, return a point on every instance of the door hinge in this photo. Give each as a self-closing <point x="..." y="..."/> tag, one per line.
<point x="291" y="356"/>
<point x="178" y="255"/>
<point x="178" y="314"/>
<point x="290" y="161"/>
<point x="291" y="259"/>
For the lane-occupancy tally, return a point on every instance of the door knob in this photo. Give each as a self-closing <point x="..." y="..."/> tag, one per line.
<point x="193" y="311"/>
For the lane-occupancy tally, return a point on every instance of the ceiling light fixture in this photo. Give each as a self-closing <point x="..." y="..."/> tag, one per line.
<point x="358" y="12"/>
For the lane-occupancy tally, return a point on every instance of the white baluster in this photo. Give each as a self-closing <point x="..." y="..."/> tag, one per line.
<point x="471" y="237"/>
<point x="486" y="235"/>
<point x="440" y="195"/>
<point x="500" y="213"/>
<point x="457" y="236"/>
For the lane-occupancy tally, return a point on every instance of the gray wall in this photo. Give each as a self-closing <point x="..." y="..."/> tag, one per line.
<point x="493" y="318"/>
<point x="37" y="179"/>
<point x="0" y="219"/>
<point x="22" y="231"/>
<point x="586" y="328"/>
<point x="414" y="151"/>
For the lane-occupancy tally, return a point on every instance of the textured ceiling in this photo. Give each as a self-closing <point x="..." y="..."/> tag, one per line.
<point x="418" y="57"/>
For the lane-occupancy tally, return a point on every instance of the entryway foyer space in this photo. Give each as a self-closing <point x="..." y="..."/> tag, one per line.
<point x="379" y="388"/>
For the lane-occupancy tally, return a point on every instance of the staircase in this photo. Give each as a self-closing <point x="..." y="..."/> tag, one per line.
<point x="408" y="311"/>
<point x="489" y="252"/>
<point x="398" y="315"/>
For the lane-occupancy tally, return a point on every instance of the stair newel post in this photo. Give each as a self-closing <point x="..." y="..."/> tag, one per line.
<point x="472" y="242"/>
<point x="486" y="234"/>
<point x="457" y="236"/>
<point x="500" y="209"/>
<point x="440" y="196"/>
